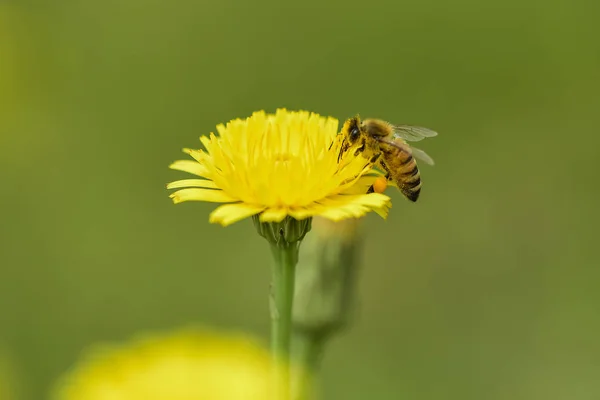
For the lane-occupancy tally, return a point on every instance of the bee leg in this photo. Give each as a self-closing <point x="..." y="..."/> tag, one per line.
<point x="373" y="160"/>
<point x="342" y="151"/>
<point x="363" y="145"/>
<point x="343" y="148"/>
<point x="388" y="174"/>
<point x="359" y="150"/>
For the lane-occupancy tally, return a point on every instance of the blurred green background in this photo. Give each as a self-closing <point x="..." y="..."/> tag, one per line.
<point x="487" y="288"/>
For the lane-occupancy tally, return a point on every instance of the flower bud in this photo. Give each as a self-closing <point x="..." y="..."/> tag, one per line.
<point x="325" y="276"/>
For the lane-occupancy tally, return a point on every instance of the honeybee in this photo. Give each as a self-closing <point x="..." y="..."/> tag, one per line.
<point x="386" y="146"/>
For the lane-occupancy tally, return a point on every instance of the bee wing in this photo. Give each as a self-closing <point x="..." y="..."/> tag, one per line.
<point x="416" y="153"/>
<point x="421" y="155"/>
<point x="412" y="133"/>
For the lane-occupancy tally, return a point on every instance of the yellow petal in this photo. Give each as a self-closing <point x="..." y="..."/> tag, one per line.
<point x="215" y="196"/>
<point x="189" y="166"/>
<point x="229" y="213"/>
<point x="203" y="183"/>
<point x="341" y="212"/>
<point x="361" y="186"/>
<point x="273" y="215"/>
<point x="305" y="212"/>
<point x="369" y="200"/>
<point x="196" y="154"/>
<point x="353" y="206"/>
<point x="382" y="211"/>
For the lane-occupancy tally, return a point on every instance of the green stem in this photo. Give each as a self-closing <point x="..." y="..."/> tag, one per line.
<point x="282" y="295"/>
<point x="309" y="352"/>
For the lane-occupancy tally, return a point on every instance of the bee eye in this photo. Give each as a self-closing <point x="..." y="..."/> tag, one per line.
<point x="354" y="133"/>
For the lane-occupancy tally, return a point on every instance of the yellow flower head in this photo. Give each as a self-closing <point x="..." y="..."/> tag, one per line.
<point x="182" y="366"/>
<point x="278" y="165"/>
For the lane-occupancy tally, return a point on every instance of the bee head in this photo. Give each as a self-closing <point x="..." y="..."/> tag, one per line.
<point x="353" y="129"/>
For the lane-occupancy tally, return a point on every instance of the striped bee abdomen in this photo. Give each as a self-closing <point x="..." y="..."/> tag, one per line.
<point x="410" y="180"/>
<point x="405" y="172"/>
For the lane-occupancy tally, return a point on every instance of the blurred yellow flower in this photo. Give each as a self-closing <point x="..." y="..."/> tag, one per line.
<point x="188" y="365"/>
<point x="8" y="382"/>
<point x="278" y="165"/>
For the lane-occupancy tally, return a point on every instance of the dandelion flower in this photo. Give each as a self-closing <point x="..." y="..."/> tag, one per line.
<point x="276" y="166"/>
<point x="190" y="364"/>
